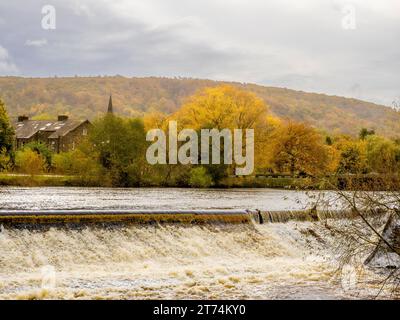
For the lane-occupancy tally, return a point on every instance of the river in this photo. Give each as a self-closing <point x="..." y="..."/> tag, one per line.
<point x="153" y="198"/>
<point x="295" y="260"/>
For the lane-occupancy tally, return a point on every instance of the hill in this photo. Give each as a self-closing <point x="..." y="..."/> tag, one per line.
<point x="82" y="97"/>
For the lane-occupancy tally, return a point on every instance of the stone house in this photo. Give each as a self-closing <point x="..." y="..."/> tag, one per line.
<point x="62" y="135"/>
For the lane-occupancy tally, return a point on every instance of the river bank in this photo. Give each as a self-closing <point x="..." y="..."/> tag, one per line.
<point x="343" y="182"/>
<point x="24" y="180"/>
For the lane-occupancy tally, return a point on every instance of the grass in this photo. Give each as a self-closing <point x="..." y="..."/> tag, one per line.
<point x="37" y="180"/>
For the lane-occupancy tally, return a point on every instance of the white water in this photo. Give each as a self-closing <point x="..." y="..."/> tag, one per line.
<point x="276" y="261"/>
<point x="273" y="261"/>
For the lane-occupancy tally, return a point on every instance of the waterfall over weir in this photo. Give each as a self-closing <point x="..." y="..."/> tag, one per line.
<point x="126" y="245"/>
<point x="182" y="261"/>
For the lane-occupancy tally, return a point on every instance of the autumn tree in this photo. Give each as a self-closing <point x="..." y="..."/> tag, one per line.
<point x="30" y="162"/>
<point x="352" y="158"/>
<point x="155" y="120"/>
<point x="383" y="155"/>
<point x="298" y="148"/>
<point x="34" y="158"/>
<point x="224" y="107"/>
<point x="43" y="150"/>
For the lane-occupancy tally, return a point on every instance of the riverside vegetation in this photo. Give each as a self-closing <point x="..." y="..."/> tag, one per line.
<point x="287" y="152"/>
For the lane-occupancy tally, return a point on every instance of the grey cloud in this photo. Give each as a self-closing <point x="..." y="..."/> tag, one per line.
<point x="36" y="43"/>
<point x="299" y="44"/>
<point x="6" y="65"/>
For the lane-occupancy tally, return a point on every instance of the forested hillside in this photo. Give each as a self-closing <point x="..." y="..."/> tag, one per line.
<point x="82" y="97"/>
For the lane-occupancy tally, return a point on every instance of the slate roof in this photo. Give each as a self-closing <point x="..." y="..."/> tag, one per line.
<point x="27" y="129"/>
<point x="69" y="125"/>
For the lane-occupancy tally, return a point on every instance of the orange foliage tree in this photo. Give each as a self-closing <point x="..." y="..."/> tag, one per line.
<point x="298" y="148"/>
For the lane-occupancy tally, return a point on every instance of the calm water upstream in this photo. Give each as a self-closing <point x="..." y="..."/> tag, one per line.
<point x="83" y="198"/>
<point x="272" y="261"/>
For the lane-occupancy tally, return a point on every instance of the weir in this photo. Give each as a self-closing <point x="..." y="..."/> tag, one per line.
<point x="123" y="216"/>
<point x="116" y="212"/>
<point x="168" y="216"/>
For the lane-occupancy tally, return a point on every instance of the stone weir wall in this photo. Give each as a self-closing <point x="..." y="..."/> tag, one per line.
<point x="184" y="216"/>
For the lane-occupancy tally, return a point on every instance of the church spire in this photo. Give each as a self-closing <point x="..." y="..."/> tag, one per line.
<point x="110" y="106"/>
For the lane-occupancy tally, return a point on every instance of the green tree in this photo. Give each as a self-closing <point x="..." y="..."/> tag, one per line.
<point x="120" y="145"/>
<point x="328" y="141"/>
<point x="81" y="164"/>
<point x="364" y="133"/>
<point x="5" y="160"/>
<point x="6" y="130"/>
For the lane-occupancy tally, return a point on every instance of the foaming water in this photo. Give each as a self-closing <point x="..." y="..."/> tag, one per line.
<point x="275" y="261"/>
<point x="271" y="261"/>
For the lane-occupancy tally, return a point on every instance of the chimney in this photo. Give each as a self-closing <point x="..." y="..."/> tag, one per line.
<point x="62" y="118"/>
<point x="22" y="118"/>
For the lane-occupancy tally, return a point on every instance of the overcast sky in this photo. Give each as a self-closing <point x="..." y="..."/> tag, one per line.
<point x="307" y="45"/>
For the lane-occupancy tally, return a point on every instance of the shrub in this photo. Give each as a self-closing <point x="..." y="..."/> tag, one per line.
<point x="30" y="162"/>
<point x="43" y="150"/>
<point x="200" y="178"/>
<point x="76" y="163"/>
<point x="5" y="160"/>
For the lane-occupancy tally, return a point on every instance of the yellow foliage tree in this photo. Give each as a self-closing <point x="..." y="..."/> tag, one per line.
<point x="29" y="162"/>
<point x="223" y="107"/>
<point x="382" y="155"/>
<point x="298" y="148"/>
<point x="155" y="120"/>
<point x="352" y="155"/>
<point x="228" y="107"/>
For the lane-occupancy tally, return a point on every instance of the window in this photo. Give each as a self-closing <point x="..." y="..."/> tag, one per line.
<point x="84" y="132"/>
